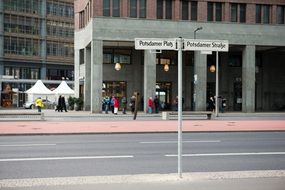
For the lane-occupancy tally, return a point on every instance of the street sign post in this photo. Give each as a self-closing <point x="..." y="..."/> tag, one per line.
<point x="156" y="43"/>
<point x="180" y="44"/>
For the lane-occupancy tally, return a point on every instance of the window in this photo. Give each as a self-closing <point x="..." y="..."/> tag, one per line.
<point x="210" y="10"/>
<point x="218" y="11"/>
<point x="133" y="8"/>
<point x="238" y="8"/>
<point x="142" y="8"/>
<point x="185" y="10"/>
<point x="215" y="11"/>
<point x="258" y="14"/>
<point x="280" y="14"/>
<point x="266" y="14"/>
<point x="263" y="14"/>
<point x="113" y="56"/>
<point x="168" y="14"/>
<point x="21" y="46"/>
<point x="234" y="11"/>
<point x="106" y="7"/>
<point x="159" y="9"/>
<point x="164" y="9"/>
<point x="242" y="13"/>
<point x="194" y="10"/>
<point x="116" y="8"/>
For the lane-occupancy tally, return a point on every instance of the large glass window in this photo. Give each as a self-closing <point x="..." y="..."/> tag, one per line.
<point x="21" y="46"/>
<point x="60" y="49"/>
<point x="113" y="56"/>
<point x="26" y="6"/>
<point x="21" y="24"/>
<point x="22" y="72"/>
<point x="63" y="9"/>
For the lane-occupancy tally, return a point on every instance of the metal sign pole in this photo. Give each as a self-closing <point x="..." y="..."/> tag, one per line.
<point x="217" y="84"/>
<point x="180" y="107"/>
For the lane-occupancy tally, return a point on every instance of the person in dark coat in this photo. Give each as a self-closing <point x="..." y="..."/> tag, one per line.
<point x="59" y="106"/>
<point x="63" y="104"/>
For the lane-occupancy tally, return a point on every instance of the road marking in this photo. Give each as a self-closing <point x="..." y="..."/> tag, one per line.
<point x="229" y="154"/>
<point x="173" y="142"/>
<point x="64" y="158"/>
<point x="24" y="145"/>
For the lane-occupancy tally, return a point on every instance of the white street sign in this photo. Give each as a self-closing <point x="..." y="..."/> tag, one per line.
<point x="206" y="45"/>
<point x="155" y="43"/>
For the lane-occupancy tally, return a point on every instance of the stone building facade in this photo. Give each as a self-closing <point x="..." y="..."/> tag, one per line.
<point x="251" y="73"/>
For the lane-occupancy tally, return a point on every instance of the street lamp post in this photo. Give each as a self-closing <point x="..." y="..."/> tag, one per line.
<point x="197" y="29"/>
<point x="195" y="76"/>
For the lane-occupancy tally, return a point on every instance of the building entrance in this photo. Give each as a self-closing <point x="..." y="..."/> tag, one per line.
<point x="237" y="96"/>
<point x="163" y="92"/>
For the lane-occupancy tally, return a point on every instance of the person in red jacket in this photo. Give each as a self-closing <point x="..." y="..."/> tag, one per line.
<point x="116" y="105"/>
<point x="150" y="105"/>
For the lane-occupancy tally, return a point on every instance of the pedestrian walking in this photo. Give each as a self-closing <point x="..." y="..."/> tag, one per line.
<point x="106" y="104"/>
<point x="116" y="105"/>
<point x="39" y="104"/>
<point x="156" y="104"/>
<point x="63" y="104"/>
<point x="132" y="104"/>
<point x="124" y="104"/>
<point x="150" y="105"/>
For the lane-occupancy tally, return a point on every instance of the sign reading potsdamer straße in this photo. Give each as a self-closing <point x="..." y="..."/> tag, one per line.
<point x="155" y="43"/>
<point x="206" y="45"/>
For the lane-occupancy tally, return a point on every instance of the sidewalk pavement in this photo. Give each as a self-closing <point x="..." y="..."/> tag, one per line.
<point x="83" y="122"/>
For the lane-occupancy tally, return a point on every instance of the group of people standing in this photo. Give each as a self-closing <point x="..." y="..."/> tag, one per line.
<point x="112" y="103"/>
<point x="61" y="104"/>
<point x="153" y="105"/>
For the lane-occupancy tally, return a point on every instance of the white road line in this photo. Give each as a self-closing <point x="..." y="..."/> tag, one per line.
<point x="65" y="158"/>
<point x="229" y="154"/>
<point x="173" y="142"/>
<point x="24" y="145"/>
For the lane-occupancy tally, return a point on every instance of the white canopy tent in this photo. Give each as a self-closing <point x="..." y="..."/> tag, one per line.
<point x="63" y="89"/>
<point x="38" y="90"/>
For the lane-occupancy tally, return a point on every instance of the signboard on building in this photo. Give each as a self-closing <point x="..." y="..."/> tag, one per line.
<point x="155" y="43"/>
<point x="206" y="45"/>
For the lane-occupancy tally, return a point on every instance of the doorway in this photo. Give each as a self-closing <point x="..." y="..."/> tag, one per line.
<point x="237" y="96"/>
<point x="163" y="93"/>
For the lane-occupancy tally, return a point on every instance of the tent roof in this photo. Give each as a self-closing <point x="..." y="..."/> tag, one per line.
<point x="63" y="88"/>
<point x="39" y="88"/>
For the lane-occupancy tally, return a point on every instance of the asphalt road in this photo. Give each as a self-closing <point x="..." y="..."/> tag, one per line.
<point x="121" y="154"/>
